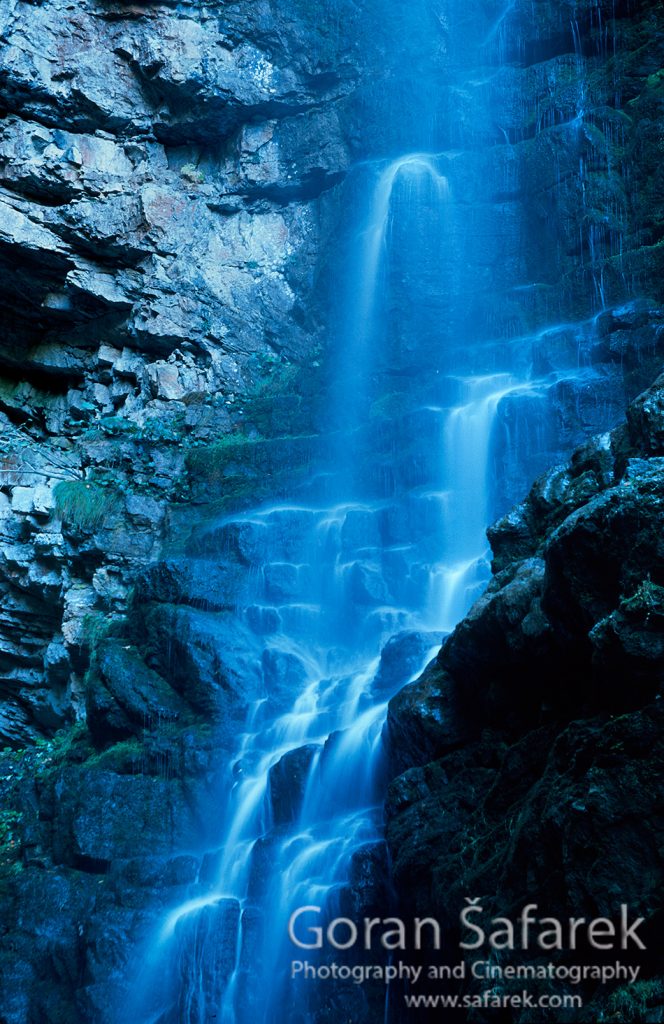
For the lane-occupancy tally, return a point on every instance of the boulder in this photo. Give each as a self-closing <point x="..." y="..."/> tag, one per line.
<point x="282" y="582"/>
<point x="425" y="720"/>
<point x="124" y="697"/>
<point x="204" y="584"/>
<point x="101" y="817"/>
<point x="211" y="660"/>
<point x="284" y="674"/>
<point x="401" y="657"/>
<point x="288" y="782"/>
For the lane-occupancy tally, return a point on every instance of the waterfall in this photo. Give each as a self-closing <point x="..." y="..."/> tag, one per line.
<point x="409" y="194"/>
<point x="417" y="171"/>
<point x="353" y="600"/>
<point x="351" y="588"/>
<point x="464" y="567"/>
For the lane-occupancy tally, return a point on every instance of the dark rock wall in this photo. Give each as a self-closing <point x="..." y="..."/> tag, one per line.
<point x="527" y="758"/>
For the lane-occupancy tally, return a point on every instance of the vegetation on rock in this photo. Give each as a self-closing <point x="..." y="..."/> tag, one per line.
<point x="83" y="504"/>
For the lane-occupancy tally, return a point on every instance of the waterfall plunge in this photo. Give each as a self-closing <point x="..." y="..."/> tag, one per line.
<point x="361" y="572"/>
<point x="414" y="172"/>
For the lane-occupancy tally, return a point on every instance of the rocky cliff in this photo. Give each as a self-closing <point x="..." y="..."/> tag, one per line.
<point x="526" y="760"/>
<point x="171" y="184"/>
<point x="161" y="175"/>
<point x="529" y="756"/>
<point x="165" y="173"/>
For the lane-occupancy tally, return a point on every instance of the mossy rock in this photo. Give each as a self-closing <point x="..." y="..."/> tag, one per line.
<point x="84" y="505"/>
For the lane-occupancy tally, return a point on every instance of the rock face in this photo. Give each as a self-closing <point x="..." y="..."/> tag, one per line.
<point x="163" y="194"/>
<point x="163" y="191"/>
<point x="172" y="177"/>
<point x="526" y="761"/>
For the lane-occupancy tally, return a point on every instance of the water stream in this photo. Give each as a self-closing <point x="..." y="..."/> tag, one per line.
<point x="353" y="600"/>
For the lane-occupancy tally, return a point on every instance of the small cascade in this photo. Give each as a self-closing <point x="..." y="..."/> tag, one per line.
<point x="463" y="569"/>
<point x="419" y="182"/>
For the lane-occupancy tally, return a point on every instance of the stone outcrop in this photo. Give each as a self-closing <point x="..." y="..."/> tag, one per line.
<point x="527" y="758"/>
<point x="162" y="198"/>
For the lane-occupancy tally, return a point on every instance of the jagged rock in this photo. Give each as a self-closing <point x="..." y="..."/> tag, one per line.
<point x="554" y="495"/>
<point x="16" y="725"/>
<point x="124" y="697"/>
<point x="603" y="551"/>
<point x="541" y="785"/>
<point x="488" y="649"/>
<point x="288" y="781"/>
<point x="645" y="420"/>
<point x="629" y="644"/>
<point x="425" y="720"/>
<point x="401" y="658"/>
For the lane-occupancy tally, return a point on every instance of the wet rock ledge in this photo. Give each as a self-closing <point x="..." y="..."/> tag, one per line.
<point x="528" y="758"/>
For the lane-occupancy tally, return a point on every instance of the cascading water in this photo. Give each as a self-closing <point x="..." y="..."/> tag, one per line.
<point x="330" y="587"/>
<point x="348" y="592"/>
<point x="459" y="576"/>
<point x="418" y="174"/>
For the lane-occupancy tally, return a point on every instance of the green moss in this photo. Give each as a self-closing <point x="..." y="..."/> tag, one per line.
<point x="212" y="459"/>
<point x="170" y="430"/>
<point x="191" y="173"/>
<point x="114" y="426"/>
<point x="275" y="382"/>
<point x="234" y="443"/>
<point x="95" y="627"/>
<point x="69" y="746"/>
<point x="124" y="758"/>
<point x="84" y="504"/>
